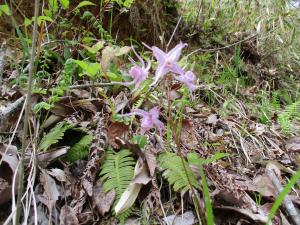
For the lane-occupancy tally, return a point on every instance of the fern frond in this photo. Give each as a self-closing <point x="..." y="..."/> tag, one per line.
<point x="54" y="135"/>
<point x="178" y="172"/>
<point x="291" y="111"/>
<point x="80" y="149"/>
<point x="116" y="173"/>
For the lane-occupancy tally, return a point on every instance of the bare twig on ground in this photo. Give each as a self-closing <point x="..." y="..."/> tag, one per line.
<point x="11" y="108"/>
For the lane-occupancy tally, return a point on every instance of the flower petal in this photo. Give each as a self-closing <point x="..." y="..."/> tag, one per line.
<point x="160" y="72"/>
<point x="154" y="112"/>
<point x="147" y="123"/>
<point x="175" y="53"/>
<point x="140" y="112"/>
<point x="159" y="54"/>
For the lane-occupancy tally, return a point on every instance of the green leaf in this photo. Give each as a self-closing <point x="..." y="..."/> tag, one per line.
<point x="44" y="18"/>
<point x="41" y="105"/>
<point x="27" y="22"/>
<point x="194" y="159"/>
<point x="83" y="3"/>
<point x="54" y="136"/>
<point x="141" y="140"/>
<point x="92" y="69"/>
<point x="178" y="172"/>
<point x="116" y="173"/>
<point x="64" y="4"/>
<point x="95" y="48"/>
<point x="79" y="150"/>
<point x="4" y="9"/>
<point x="53" y="5"/>
<point x="207" y="201"/>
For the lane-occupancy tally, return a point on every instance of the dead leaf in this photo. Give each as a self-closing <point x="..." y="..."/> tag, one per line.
<point x="9" y="164"/>
<point x="130" y="194"/>
<point x="293" y="144"/>
<point x="101" y="200"/>
<point x="187" y="218"/>
<point x="45" y="158"/>
<point x="116" y="129"/>
<point x="212" y="119"/>
<point x="58" y="174"/>
<point x="151" y="161"/>
<point x="51" y="193"/>
<point x="188" y="135"/>
<point x="68" y="216"/>
<point x="260" y="217"/>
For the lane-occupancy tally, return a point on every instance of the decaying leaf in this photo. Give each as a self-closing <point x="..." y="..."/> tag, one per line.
<point x="8" y="166"/>
<point x="293" y="144"/>
<point x="68" y="216"/>
<point x="188" y="136"/>
<point x="116" y="129"/>
<point x="129" y="196"/>
<point x="51" y="193"/>
<point x="101" y="200"/>
<point x="187" y="218"/>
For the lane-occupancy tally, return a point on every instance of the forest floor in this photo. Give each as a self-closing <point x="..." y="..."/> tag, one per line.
<point x="213" y="140"/>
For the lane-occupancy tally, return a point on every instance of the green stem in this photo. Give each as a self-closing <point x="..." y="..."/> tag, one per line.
<point x="26" y="116"/>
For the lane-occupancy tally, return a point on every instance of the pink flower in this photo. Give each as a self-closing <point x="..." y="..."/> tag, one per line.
<point x="149" y="119"/>
<point x="188" y="79"/>
<point x="167" y="62"/>
<point x="138" y="74"/>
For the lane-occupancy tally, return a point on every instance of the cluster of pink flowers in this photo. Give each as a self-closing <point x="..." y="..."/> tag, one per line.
<point x="167" y="62"/>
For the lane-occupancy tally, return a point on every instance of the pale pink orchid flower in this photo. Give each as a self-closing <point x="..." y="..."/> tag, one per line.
<point x="167" y="62"/>
<point x="188" y="78"/>
<point x="137" y="73"/>
<point x="149" y="119"/>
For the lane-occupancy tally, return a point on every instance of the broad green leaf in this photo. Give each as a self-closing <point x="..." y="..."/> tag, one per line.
<point x="83" y="3"/>
<point x="92" y="69"/>
<point x="53" y="5"/>
<point x="4" y="9"/>
<point x="64" y="4"/>
<point x="27" y="22"/>
<point x="95" y="48"/>
<point x="44" y="18"/>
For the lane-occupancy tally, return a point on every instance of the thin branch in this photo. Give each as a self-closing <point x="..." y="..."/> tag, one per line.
<point x="27" y="112"/>
<point x="79" y="86"/>
<point x="221" y="48"/>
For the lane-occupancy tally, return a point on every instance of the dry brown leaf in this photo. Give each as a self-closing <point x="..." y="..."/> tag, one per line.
<point x="51" y="193"/>
<point x="116" y="129"/>
<point x="9" y="164"/>
<point x="188" y="135"/>
<point x="187" y="218"/>
<point x="101" y="200"/>
<point x="151" y="161"/>
<point x="68" y="216"/>
<point x="58" y="174"/>
<point x="293" y="144"/>
<point x="259" y="217"/>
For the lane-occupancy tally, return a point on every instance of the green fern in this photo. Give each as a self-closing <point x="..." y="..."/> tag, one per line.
<point x="116" y="173"/>
<point x="80" y="149"/>
<point x="54" y="136"/>
<point x="178" y="172"/>
<point x="291" y="111"/>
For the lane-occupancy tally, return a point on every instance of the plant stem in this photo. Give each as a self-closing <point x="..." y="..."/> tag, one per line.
<point x="26" y="116"/>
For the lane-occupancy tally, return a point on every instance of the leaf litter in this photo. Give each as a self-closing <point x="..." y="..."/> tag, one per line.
<point x="241" y="190"/>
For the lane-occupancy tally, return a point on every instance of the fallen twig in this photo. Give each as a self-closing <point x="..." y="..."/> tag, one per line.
<point x="287" y="203"/>
<point x="11" y="108"/>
